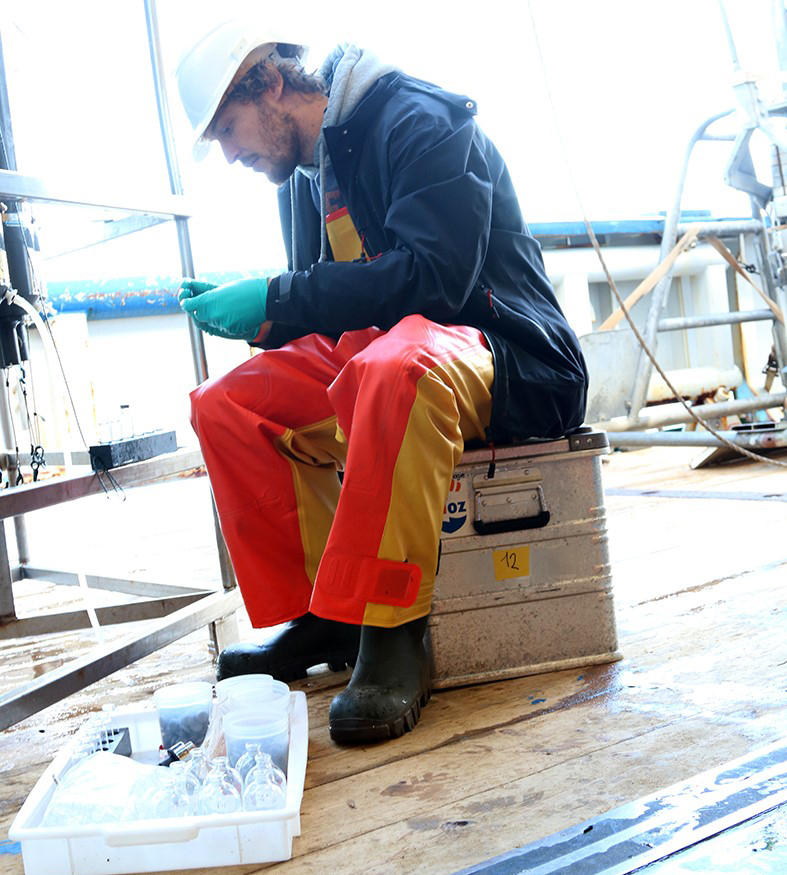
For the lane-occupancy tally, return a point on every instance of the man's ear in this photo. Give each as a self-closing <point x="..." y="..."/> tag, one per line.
<point x="276" y="89"/>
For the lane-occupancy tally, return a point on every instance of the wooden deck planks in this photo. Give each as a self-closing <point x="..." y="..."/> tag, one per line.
<point x="702" y="611"/>
<point x="638" y="726"/>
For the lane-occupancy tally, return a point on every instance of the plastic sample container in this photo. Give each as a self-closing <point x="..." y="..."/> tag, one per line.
<point x="260" y="683"/>
<point x="276" y="696"/>
<point x="268" y="727"/>
<point x="197" y="842"/>
<point x="184" y="712"/>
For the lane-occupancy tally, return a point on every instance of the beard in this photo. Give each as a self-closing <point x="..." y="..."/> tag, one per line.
<point x="283" y="148"/>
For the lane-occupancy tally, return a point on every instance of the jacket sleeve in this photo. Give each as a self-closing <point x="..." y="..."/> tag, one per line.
<point x="434" y="185"/>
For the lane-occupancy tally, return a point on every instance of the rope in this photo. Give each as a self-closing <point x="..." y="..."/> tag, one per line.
<point x="621" y="303"/>
<point x="45" y="319"/>
<point x="98" y="468"/>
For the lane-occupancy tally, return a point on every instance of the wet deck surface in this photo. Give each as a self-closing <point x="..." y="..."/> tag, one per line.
<point x="758" y="846"/>
<point x="701" y="600"/>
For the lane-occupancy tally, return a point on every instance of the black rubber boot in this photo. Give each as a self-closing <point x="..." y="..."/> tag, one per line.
<point x="390" y="684"/>
<point x="306" y="641"/>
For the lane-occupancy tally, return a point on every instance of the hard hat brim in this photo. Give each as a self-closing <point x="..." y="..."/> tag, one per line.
<point x="201" y="148"/>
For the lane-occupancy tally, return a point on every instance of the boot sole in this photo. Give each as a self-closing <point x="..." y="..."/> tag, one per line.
<point x="297" y="671"/>
<point x="358" y="730"/>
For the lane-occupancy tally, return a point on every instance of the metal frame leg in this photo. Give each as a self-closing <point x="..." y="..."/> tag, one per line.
<point x="7" y="609"/>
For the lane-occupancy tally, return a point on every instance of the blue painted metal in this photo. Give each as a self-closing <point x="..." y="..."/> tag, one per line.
<point x="609" y="231"/>
<point x="652" y="225"/>
<point x="122" y="297"/>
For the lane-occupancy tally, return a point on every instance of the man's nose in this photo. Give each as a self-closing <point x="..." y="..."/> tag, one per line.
<point x="230" y="151"/>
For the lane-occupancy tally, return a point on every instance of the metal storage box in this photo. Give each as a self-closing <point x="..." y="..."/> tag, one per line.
<point x="524" y="583"/>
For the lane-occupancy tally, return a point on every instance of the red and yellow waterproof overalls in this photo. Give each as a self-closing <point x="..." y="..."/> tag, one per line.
<point x="392" y="410"/>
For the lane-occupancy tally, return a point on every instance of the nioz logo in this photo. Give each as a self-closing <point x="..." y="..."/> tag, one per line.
<point x="455" y="509"/>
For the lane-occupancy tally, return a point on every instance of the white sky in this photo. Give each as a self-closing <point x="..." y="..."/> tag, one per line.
<point x="630" y="81"/>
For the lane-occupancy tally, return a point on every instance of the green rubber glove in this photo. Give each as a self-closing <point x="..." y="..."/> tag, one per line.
<point x="234" y="310"/>
<point x="189" y="288"/>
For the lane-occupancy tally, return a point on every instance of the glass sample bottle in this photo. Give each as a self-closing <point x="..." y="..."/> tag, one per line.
<point x="197" y="764"/>
<point x="265" y="787"/>
<point x="171" y="799"/>
<point x="246" y="761"/>
<point x="187" y="782"/>
<point x="229" y="774"/>
<point x="218" y="795"/>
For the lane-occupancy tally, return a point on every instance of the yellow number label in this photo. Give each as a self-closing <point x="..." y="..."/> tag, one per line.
<point x="511" y="562"/>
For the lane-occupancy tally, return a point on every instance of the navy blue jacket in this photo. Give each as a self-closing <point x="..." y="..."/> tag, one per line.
<point x="434" y="204"/>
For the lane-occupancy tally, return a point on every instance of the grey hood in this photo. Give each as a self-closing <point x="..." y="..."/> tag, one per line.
<point x="350" y="73"/>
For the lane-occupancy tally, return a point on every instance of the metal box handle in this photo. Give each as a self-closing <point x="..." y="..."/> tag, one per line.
<point x="497" y="527"/>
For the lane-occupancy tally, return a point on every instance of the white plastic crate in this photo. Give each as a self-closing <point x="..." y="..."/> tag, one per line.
<point x="202" y="841"/>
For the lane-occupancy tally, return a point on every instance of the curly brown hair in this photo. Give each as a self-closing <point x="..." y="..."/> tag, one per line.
<point x="261" y="77"/>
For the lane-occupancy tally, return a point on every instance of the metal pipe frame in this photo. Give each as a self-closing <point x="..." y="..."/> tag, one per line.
<point x="7" y="609"/>
<point x="113" y="584"/>
<point x="19" y="186"/>
<point x="109" y="615"/>
<point x="173" y="171"/>
<point x="107" y="659"/>
<point x="79" y="458"/>
<point x="703" y="411"/>
<point x="199" y="356"/>
<point x="748" y="229"/>
<point x="754" y="442"/>
<point x="681" y="323"/>
<point x="764" y="258"/>
<point x="183" y="609"/>
<point x="660" y="292"/>
<point x="10" y="462"/>
<point x="721" y="229"/>
<point x="8" y="163"/>
<point x="36" y="496"/>
<point x="8" y="156"/>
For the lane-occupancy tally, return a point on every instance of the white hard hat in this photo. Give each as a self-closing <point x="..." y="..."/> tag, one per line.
<point x="206" y="70"/>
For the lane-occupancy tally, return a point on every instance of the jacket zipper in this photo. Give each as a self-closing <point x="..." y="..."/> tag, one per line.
<point x="488" y="292"/>
<point x="365" y="256"/>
